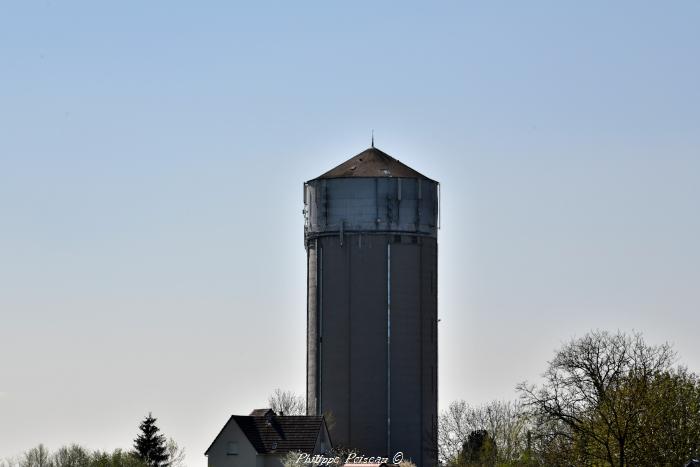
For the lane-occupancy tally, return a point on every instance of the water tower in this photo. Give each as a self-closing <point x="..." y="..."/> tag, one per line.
<point x="371" y="240"/>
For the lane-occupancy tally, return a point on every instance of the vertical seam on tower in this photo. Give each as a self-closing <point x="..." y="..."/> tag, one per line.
<point x="307" y="322"/>
<point x="398" y="204"/>
<point x="437" y="349"/>
<point x="422" y="336"/>
<point x="319" y="285"/>
<point x="388" y="348"/>
<point x="349" y="260"/>
<point x="376" y="205"/>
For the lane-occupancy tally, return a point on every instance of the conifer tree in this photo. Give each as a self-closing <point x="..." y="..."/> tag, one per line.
<point x="150" y="445"/>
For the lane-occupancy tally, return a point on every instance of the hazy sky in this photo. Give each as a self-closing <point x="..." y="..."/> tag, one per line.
<point x="152" y="156"/>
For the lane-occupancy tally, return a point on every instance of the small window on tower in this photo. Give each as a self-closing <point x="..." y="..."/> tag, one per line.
<point x="232" y="449"/>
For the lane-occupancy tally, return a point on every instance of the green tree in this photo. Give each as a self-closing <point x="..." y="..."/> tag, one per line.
<point x="117" y="458"/>
<point x="75" y="455"/>
<point x="478" y="451"/>
<point x="150" y="446"/>
<point x="670" y="424"/>
<point x="613" y="400"/>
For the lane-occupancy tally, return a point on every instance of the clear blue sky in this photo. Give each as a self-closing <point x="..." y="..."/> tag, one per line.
<point x="152" y="156"/>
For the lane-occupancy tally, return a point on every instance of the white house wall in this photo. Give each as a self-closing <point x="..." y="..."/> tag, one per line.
<point x="247" y="455"/>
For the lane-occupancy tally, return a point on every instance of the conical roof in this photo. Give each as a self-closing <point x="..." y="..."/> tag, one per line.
<point x="372" y="162"/>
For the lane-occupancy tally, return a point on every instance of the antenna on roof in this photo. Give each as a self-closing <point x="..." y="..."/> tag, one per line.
<point x="372" y="137"/>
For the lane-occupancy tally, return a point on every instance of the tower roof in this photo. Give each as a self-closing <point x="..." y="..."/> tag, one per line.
<point x="372" y="162"/>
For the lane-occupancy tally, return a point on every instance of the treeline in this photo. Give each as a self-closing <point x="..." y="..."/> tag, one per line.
<point x="604" y="400"/>
<point x="151" y="449"/>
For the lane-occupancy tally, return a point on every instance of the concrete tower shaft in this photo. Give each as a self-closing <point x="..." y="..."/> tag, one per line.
<point x="371" y="239"/>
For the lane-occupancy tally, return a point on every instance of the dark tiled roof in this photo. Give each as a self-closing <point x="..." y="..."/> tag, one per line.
<point x="260" y="412"/>
<point x="372" y="163"/>
<point x="279" y="434"/>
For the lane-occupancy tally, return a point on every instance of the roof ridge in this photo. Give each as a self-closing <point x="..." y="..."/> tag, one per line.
<point x="372" y="163"/>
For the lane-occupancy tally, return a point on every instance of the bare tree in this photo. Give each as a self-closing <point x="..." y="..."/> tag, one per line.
<point x="287" y="403"/>
<point x="505" y="423"/>
<point x="36" y="457"/>
<point x="71" y="456"/>
<point x="176" y="454"/>
<point x="594" y="392"/>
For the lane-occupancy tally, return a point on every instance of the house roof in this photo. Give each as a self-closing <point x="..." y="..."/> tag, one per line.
<point x="278" y="434"/>
<point x="372" y="162"/>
